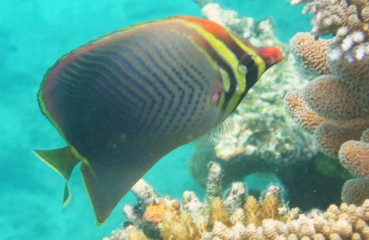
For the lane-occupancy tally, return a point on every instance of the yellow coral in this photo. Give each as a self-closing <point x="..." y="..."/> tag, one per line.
<point x="256" y="212"/>
<point x="135" y="234"/>
<point x="218" y="213"/>
<point x="343" y="222"/>
<point x="269" y="208"/>
<point x="251" y="209"/>
<point x="155" y="212"/>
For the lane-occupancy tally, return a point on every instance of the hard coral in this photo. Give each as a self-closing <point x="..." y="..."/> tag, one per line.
<point x="330" y="136"/>
<point x="341" y="97"/>
<point x="266" y="219"/>
<point x="311" y="53"/>
<point x="154" y="212"/>
<point x="259" y="136"/>
<point x="354" y="155"/>
<point x="348" y="20"/>
<point x="301" y="113"/>
<point x="192" y="219"/>
<point x="331" y="98"/>
<point x="355" y="191"/>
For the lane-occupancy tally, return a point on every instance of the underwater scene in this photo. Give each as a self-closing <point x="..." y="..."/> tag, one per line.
<point x="185" y="119"/>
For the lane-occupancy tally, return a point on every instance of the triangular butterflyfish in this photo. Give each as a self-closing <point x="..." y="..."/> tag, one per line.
<point x="125" y="100"/>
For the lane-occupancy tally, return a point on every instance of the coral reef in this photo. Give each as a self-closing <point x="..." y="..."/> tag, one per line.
<point x="260" y="136"/>
<point x="335" y="105"/>
<point x="266" y="118"/>
<point x="348" y="54"/>
<point x="310" y="53"/>
<point x="354" y="155"/>
<point x="238" y="215"/>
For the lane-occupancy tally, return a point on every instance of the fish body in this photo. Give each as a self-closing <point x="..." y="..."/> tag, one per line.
<point x="125" y="100"/>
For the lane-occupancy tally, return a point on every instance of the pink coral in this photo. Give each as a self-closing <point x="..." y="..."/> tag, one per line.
<point x="302" y="114"/>
<point x="341" y="98"/>
<point x="332" y="98"/>
<point x="355" y="191"/>
<point x="330" y="137"/>
<point x="354" y="74"/>
<point x="304" y="46"/>
<point x="354" y="156"/>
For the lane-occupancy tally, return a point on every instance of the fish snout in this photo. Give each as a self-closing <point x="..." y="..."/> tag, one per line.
<point x="271" y="55"/>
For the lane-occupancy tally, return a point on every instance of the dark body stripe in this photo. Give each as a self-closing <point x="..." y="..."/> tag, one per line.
<point x="217" y="57"/>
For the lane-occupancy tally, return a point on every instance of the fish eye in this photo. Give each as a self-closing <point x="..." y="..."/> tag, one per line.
<point x="246" y="63"/>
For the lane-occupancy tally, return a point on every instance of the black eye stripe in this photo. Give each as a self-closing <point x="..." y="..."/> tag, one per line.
<point x="245" y="59"/>
<point x="248" y="61"/>
<point x="250" y="64"/>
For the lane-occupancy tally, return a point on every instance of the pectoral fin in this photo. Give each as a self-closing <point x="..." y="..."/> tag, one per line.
<point x="62" y="160"/>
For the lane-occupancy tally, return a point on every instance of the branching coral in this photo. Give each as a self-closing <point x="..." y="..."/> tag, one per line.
<point x="302" y="114"/>
<point x="354" y="155"/>
<point x="311" y="53"/>
<point x="340" y="98"/>
<point x="331" y="98"/>
<point x="238" y="216"/>
<point x="348" y="55"/>
<point x="347" y="20"/>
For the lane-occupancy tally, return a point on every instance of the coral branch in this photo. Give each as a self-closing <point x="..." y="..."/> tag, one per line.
<point x="355" y="191"/>
<point x="342" y="96"/>
<point x="311" y="53"/>
<point x="301" y="113"/>
<point x="354" y="155"/>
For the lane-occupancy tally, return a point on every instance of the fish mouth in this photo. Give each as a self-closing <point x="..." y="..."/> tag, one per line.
<point x="271" y="55"/>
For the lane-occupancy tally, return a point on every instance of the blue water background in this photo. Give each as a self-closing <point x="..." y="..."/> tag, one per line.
<point x="33" y="35"/>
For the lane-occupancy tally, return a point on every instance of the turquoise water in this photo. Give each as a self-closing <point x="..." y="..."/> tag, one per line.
<point x="33" y="35"/>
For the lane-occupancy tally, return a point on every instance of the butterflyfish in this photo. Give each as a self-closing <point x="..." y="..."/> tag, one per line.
<point x="125" y="100"/>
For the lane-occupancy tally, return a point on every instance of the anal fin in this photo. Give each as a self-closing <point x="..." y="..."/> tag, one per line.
<point x="62" y="160"/>
<point x="108" y="181"/>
